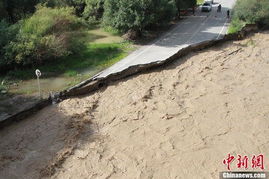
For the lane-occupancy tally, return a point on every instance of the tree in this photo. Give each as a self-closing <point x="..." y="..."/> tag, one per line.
<point x="3" y="13"/>
<point x="135" y="15"/>
<point x="78" y="5"/>
<point x="7" y="34"/>
<point x="185" y="4"/>
<point x="17" y="9"/>
<point x="93" y="9"/>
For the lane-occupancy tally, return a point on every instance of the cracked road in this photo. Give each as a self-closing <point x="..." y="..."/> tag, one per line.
<point x="192" y="29"/>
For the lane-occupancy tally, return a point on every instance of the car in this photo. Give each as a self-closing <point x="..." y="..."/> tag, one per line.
<point x="206" y="7"/>
<point x="210" y="1"/>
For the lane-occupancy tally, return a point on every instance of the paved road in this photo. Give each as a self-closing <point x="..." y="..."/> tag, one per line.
<point x="194" y="29"/>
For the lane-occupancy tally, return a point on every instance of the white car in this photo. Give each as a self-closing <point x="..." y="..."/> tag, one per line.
<point x="206" y="7"/>
<point x="210" y="1"/>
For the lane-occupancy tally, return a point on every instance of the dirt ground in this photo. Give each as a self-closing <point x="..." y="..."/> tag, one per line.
<point x="181" y="121"/>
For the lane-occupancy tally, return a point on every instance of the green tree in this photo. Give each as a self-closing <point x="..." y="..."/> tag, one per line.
<point x="14" y="10"/>
<point x="17" y="9"/>
<point x="78" y="5"/>
<point x="7" y="34"/>
<point x="93" y="9"/>
<point x="135" y="15"/>
<point x="185" y="4"/>
<point x="3" y="13"/>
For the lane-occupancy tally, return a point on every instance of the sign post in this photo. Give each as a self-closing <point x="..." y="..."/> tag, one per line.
<point x="38" y="74"/>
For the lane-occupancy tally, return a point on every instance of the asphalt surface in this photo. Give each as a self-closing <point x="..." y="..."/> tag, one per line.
<point x="202" y="26"/>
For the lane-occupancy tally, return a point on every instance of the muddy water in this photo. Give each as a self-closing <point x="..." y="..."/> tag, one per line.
<point x="23" y="94"/>
<point x="51" y="84"/>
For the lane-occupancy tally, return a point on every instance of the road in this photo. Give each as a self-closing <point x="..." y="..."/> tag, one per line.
<point x="193" y="29"/>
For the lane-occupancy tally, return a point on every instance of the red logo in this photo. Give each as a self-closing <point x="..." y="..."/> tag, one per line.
<point x="243" y="161"/>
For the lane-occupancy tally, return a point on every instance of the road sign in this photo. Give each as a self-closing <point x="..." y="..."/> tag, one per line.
<point x="38" y="73"/>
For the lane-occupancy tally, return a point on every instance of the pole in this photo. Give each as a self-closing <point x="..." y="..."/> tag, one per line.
<point x="38" y="74"/>
<point x="39" y="89"/>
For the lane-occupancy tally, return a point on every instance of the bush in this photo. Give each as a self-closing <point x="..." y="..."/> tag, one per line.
<point x="135" y="15"/>
<point x="250" y="12"/>
<point x="48" y="34"/>
<point x="263" y="13"/>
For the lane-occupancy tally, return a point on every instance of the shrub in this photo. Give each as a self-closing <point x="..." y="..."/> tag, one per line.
<point x="250" y="12"/>
<point x="263" y="13"/>
<point x="48" y="34"/>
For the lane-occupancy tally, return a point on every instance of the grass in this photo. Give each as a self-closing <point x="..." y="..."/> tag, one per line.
<point x="235" y="26"/>
<point x="66" y="72"/>
<point x="102" y="49"/>
<point x="232" y="29"/>
<point x="93" y="56"/>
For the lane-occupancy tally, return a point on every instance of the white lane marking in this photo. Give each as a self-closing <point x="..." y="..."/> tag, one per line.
<point x="198" y="30"/>
<point x="145" y="49"/>
<point x="224" y="25"/>
<point x="154" y="43"/>
<point x="163" y="38"/>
